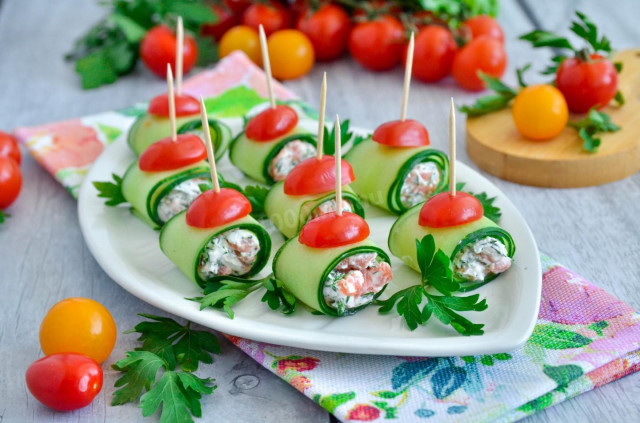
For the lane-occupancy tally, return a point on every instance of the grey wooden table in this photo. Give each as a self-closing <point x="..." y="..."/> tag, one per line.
<point x="43" y="258"/>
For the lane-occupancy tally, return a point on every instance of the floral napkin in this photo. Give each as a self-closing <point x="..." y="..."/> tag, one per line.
<point x="584" y="337"/>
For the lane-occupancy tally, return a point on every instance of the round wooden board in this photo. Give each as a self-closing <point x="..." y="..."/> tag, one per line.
<point x="496" y="146"/>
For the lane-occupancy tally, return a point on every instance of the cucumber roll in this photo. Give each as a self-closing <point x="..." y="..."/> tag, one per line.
<point x="412" y="170"/>
<point x="220" y="134"/>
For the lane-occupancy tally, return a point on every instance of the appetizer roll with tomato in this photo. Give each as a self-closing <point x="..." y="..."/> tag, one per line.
<point x="396" y="168"/>
<point x="308" y="192"/>
<point x="216" y="236"/>
<point x="479" y="249"/>
<point x="332" y="266"/>
<point x="271" y="145"/>
<point x="220" y="134"/>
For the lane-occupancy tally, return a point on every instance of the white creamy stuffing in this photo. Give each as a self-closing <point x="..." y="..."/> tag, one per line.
<point x="328" y="207"/>
<point x="288" y="157"/>
<point x="179" y="198"/>
<point x="231" y="253"/>
<point x="421" y="182"/>
<point x="481" y="258"/>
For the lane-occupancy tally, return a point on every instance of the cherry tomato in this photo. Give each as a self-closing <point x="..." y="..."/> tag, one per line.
<point x="587" y="84"/>
<point x="225" y="21"/>
<point x="158" y="48"/>
<point x="313" y="176"/>
<point x="484" y="25"/>
<point x="540" y="112"/>
<point x="166" y="154"/>
<point x="401" y="133"/>
<point x="65" y="381"/>
<point x="272" y="15"/>
<point x="9" y="147"/>
<point x="482" y="54"/>
<point x="433" y="55"/>
<point x="377" y="44"/>
<point x="78" y="325"/>
<point x="443" y="210"/>
<point x="243" y="38"/>
<point x="237" y="6"/>
<point x="328" y="29"/>
<point x="291" y="54"/>
<point x="331" y="230"/>
<point x="271" y="123"/>
<point x="211" y="209"/>
<point x="10" y="181"/>
<point x="185" y="105"/>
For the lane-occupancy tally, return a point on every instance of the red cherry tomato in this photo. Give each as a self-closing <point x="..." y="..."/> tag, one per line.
<point x="273" y="17"/>
<point x="10" y="181"/>
<point x="237" y="6"/>
<point x="211" y="209"/>
<point x="328" y="29"/>
<point x="331" y="230"/>
<point x="158" y="48"/>
<point x="587" y="84"/>
<point x="443" y="210"/>
<point x="166" y="154"/>
<point x="225" y="21"/>
<point x="399" y="133"/>
<point x="313" y="176"/>
<point x="185" y="105"/>
<point x="9" y="147"/>
<point x="484" y="25"/>
<point x="433" y="55"/>
<point x="481" y="54"/>
<point x="64" y="381"/>
<point x="271" y="123"/>
<point x="377" y="44"/>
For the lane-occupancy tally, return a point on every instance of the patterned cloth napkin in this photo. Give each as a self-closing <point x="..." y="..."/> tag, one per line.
<point x="584" y="338"/>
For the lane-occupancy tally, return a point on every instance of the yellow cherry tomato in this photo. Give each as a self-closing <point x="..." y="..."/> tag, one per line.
<point x="78" y="325"/>
<point x="540" y="112"/>
<point x="242" y="38"/>
<point x="291" y="54"/>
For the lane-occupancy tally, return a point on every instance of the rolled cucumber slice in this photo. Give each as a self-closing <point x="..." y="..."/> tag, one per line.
<point x="183" y="244"/>
<point x="148" y="129"/>
<point x="253" y="158"/>
<point x="220" y="134"/>
<point x="303" y="270"/>
<point x="405" y="231"/>
<point x="290" y="212"/>
<point x="380" y="171"/>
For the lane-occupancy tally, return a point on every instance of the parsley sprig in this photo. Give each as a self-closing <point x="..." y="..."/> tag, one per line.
<point x="490" y="210"/>
<point x="437" y="273"/>
<point x="590" y="126"/>
<point x="176" y="350"/>
<point x="503" y="94"/>
<point x="111" y="191"/>
<point x="3" y="216"/>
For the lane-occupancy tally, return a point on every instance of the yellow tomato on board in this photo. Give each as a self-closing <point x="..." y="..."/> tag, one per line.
<point x="291" y="54"/>
<point x="540" y="112"/>
<point x="78" y="325"/>
<point x="242" y="38"/>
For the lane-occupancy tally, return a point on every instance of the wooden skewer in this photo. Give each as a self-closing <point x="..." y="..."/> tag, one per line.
<point x="179" y="54"/>
<point x="172" y="104"/>
<point x="266" y="63"/>
<point x="452" y="150"/>
<point x="209" y="145"/>
<point x="338" y="157"/>
<point x="323" y="105"/>
<point x="407" y="77"/>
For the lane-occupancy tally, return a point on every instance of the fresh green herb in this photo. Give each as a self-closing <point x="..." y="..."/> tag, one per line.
<point x="256" y="196"/>
<point x="3" y="216"/>
<point x="502" y="97"/>
<point x="592" y="125"/>
<point x="490" y="210"/>
<point x="329" y="146"/>
<point x="456" y="11"/>
<point x="112" y="191"/>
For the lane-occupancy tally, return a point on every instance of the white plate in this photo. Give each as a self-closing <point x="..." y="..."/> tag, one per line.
<point x="129" y="253"/>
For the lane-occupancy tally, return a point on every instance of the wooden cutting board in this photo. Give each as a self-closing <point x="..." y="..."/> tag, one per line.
<point x="496" y="146"/>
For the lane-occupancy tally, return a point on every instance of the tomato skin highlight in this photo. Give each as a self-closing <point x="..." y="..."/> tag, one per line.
<point x="64" y="382"/>
<point x="313" y="176"/>
<point x="272" y="15"/>
<point x="398" y="133"/>
<point x="481" y="54"/>
<point x="271" y="123"/>
<point x="211" y="209"/>
<point x="587" y="84"/>
<point x="291" y="54"/>
<point x="186" y="105"/>
<point x="540" y="112"/>
<point x="158" y="48"/>
<point x="444" y="210"/>
<point x="9" y="147"/>
<point x="243" y="38"/>
<point x="328" y="29"/>
<point x="483" y="25"/>
<point x="331" y="230"/>
<point x="10" y="181"/>
<point x="435" y="50"/>
<point x="377" y="45"/>
<point x="166" y="154"/>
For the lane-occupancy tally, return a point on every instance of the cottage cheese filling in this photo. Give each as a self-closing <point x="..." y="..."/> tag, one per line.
<point x="421" y="182"/>
<point x="179" y="198"/>
<point x="232" y="253"/>
<point x="481" y="258"/>
<point x="288" y="157"/>
<point x="328" y="207"/>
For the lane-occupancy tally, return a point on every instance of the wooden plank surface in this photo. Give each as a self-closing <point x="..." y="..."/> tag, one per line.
<point x="43" y="258"/>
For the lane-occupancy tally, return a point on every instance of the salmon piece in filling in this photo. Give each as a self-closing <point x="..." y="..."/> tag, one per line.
<point x="231" y="253"/>
<point x="180" y="197"/>
<point x="481" y="258"/>
<point x="421" y="183"/>
<point x="288" y="157"/>
<point x="328" y="207"/>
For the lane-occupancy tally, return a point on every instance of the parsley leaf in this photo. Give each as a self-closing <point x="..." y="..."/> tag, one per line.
<point x="329" y="146"/>
<point x="435" y="266"/>
<point x="590" y="126"/>
<point x="278" y="298"/>
<point x="490" y="210"/>
<point x="3" y="216"/>
<point x="256" y="196"/>
<point x="503" y="94"/>
<point x="112" y="191"/>
<point x="140" y="369"/>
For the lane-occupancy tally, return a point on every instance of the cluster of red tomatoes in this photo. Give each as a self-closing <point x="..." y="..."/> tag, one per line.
<point x="10" y="176"/>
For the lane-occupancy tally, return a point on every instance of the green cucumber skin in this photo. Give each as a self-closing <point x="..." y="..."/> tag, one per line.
<point x="220" y="134"/>
<point x="183" y="244"/>
<point x="289" y="212"/>
<point x="382" y="188"/>
<point x="253" y="157"/>
<point x="405" y="231"/>
<point x="148" y="129"/>
<point x="303" y="270"/>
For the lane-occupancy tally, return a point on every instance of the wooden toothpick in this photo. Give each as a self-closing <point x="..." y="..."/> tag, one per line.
<point x="266" y="63"/>
<point x="209" y="146"/>
<point x="407" y="78"/>
<point x="172" y="104"/>
<point x="452" y="149"/>
<point x="323" y="104"/>
<point x="338" y="157"/>
<point x="179" y="53"/>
